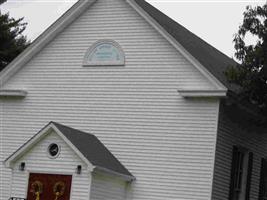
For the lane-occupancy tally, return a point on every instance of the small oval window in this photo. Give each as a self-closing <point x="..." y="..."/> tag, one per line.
<point x="53" y="150"/>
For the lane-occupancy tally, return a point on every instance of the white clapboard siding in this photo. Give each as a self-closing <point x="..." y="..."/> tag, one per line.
<point x="166" y="141"/>
<point x="104" y="187"/>
<point x="229" y="134"/>
<point x="37" y="161"/>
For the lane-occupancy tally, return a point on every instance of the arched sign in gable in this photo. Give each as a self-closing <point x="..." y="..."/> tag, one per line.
<point x="104" y="52"/>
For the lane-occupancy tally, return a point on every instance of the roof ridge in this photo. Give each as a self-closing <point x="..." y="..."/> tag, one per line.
<point x="70" y="128"/>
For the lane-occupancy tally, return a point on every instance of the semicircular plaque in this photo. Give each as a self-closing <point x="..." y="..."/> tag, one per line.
<point x="104" y="52"/>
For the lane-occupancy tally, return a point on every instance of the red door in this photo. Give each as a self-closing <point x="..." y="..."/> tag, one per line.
<point x="49" y="187"/>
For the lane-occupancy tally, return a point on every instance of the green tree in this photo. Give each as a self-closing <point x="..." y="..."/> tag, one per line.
<point x="12" y="42"/>
<point x="251" y="73"/>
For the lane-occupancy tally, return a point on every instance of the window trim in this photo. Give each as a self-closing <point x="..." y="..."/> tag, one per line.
<point x="240" y="175"/>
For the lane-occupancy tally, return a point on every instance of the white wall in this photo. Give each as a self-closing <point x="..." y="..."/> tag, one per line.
<point x="231" y="132"/>
<point x="38" y="161"/>
<point x="106" y="187"/>
<point x="166" y="141"/>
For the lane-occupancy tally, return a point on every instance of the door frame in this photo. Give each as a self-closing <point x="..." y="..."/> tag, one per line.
<point x="47" y="173"/>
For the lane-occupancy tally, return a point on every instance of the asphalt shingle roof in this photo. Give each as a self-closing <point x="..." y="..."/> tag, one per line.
<point x="212" y="59"/>
<point x="92" y="149"/>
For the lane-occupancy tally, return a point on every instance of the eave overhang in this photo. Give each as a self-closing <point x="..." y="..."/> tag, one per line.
<point x="202" y="93"/>
<point x="13" y="93"/>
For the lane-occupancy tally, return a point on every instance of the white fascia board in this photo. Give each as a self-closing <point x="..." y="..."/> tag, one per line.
<point x="13" y="93"/>
<point x="116" y="174"/>
<point x="28" y="145"/>
<point x="47" y="36"/>
<point x="202" y="93"/>
<point x="177" y="46"/>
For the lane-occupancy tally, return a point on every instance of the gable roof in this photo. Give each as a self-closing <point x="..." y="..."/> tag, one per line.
<point x="212" y="59"/>
<point x="87" y="144"/>
<point x="92" y="149"/>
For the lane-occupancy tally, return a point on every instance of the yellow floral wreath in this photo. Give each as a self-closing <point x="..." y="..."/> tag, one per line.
<point x="37" y="189"/>
<point x="59" y="189"/>
<point x="37" y="186"/>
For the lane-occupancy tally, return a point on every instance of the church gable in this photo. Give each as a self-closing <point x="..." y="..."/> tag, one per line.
<point x="148" y="54"/>
<point x="50" y="152"/>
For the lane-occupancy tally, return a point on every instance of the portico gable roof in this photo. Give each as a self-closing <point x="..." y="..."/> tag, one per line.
<point x="87" y="146"/>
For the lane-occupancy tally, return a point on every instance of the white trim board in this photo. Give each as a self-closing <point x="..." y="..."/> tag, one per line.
<point x="202" y="93"/>
<point x="13" y="93"/>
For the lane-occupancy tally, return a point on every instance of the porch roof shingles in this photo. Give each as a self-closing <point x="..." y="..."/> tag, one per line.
<point x="93" y="149"/>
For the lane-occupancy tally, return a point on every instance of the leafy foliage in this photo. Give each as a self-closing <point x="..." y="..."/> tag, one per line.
<point x="12" y="42"/>
<point x="251" y="73"/>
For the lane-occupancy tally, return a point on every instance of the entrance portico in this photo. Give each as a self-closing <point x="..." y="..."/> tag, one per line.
<point x="63" y="163"/>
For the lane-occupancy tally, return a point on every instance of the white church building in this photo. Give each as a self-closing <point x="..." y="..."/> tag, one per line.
<point x="116" y="101"/>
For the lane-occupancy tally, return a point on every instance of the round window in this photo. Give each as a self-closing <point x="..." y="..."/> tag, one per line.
<point x="53" y="150"/>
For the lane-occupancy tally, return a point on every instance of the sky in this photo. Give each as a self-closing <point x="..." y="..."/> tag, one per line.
<point x="215" y="21"/>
